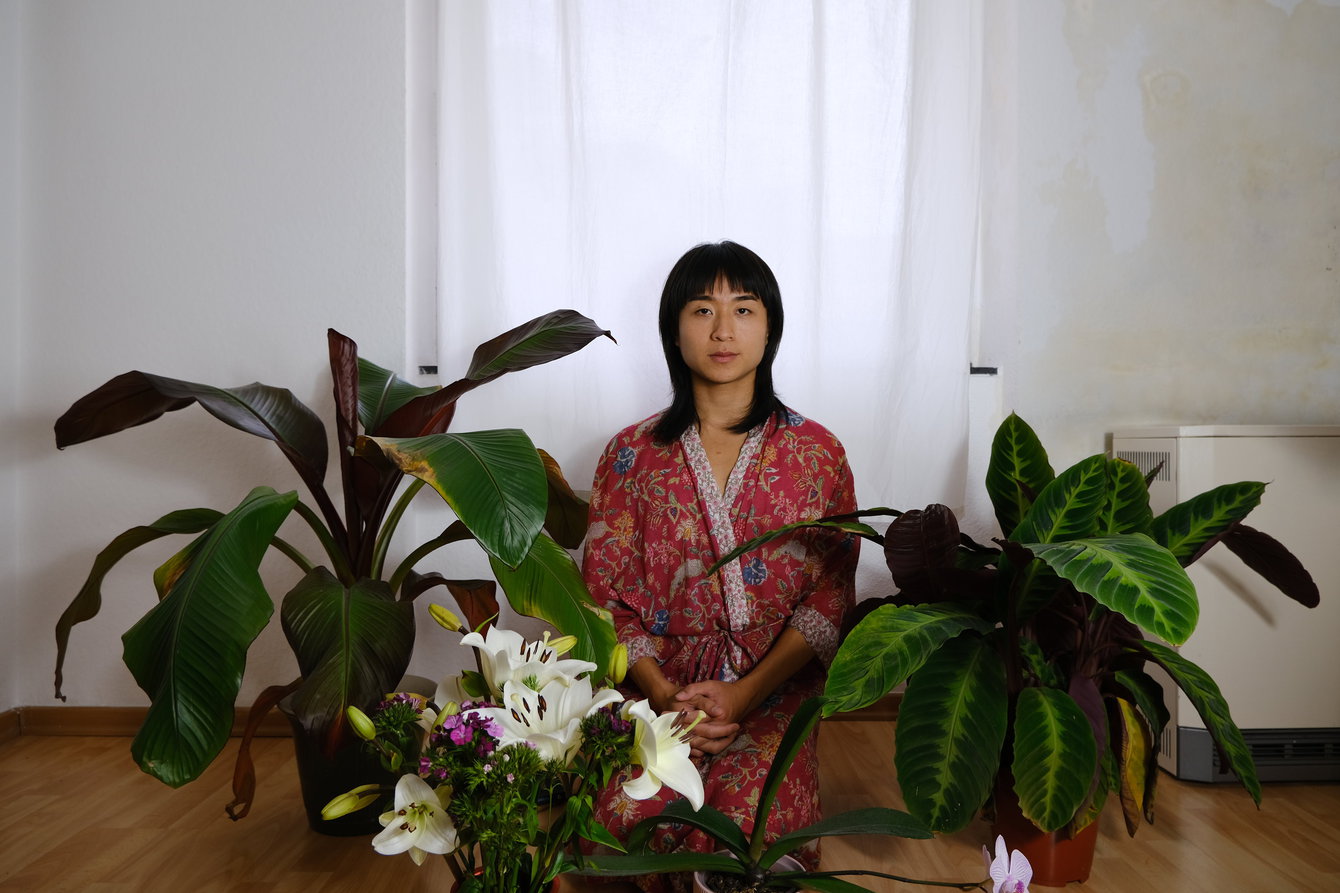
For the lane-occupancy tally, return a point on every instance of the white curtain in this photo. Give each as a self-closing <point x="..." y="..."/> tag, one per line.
<point x="585" y="145"/>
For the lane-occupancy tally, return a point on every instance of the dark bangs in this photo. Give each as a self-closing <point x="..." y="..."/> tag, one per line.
<point x="696" y="274"/>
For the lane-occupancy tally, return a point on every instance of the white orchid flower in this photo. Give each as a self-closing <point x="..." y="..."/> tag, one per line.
<point x="550" y="719"/>
<point x="505" y="656"/>
<point x="661" y="748"/>
<point x="1011" y="873"/>
<point x="419" y="823"/>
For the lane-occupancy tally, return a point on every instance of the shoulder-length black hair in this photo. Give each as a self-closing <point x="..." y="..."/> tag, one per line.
<point x="694" y="275"/>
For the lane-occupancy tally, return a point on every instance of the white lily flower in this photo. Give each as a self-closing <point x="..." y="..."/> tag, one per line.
<point x="506" y="656"/>
<point x="1011" y="873"/>
<point x="550" y="719"/>
<point x="661" y="748"/>
<point x="419" y="823"/>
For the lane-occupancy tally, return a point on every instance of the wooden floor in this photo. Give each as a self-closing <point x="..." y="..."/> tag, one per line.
<point x="79" y="816"/>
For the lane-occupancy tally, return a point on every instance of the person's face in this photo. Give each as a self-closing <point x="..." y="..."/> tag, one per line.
<point x="722" y="335"/>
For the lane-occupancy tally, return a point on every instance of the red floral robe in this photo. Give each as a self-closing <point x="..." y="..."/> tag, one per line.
<point x="658" y="521"/>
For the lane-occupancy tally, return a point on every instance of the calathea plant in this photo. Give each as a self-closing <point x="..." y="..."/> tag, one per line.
<point x="1029" y="659"/>
<point x="350" y="618"/>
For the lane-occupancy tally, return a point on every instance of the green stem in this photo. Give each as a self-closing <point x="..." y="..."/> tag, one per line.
<point x="337" y="556"/>
<point x="455" y="532"/>
<point x="389" y="527"/>
<point x="286" y="548"/>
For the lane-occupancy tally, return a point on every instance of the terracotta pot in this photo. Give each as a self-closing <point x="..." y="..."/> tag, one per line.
<point x="1056" y="860"/>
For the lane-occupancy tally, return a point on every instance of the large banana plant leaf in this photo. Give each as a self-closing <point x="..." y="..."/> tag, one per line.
<point x="1209" y="702"/>
<point x="890" y="644"/>
<point x="542" y="340"/>
<point x="1016" y="473"/>
<point x="352" y="644"/>
<point x="1132" y="575"/>
<point x="548" y="585"/>
<point x="88" y="601"/>
<point x="951" y="727"/>
<point x="1054" y="756"/>
<point x="135" y="398"/>
<point x="189" y="651"/>
<point x="493" y="480"/>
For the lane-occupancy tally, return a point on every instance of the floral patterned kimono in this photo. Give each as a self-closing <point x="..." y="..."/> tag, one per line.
<point x="658" y="521"/>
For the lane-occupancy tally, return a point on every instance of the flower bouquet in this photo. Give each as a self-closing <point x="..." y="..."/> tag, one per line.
<point x="501" y="767"/>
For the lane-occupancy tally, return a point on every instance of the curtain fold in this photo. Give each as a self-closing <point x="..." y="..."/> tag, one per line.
<point x="586" y="145"/>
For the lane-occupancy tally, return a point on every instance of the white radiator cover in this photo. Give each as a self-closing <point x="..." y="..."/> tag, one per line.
<point x="1277" y="663"/>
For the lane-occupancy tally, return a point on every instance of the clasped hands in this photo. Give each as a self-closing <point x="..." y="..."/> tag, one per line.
<point x="723" y="704"/>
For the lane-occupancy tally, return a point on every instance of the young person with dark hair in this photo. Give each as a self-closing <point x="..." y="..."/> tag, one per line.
<point x="725" y="462"/>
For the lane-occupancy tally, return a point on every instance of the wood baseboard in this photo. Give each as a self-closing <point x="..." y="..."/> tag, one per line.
<point x="109" y="722"/>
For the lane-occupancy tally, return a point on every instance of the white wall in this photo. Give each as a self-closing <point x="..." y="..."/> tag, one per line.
<point x="9" y="337"/>
<point x="206" y="188"/>
<point x="1166" y="215"/>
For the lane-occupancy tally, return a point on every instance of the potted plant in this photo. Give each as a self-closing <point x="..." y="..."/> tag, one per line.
<point x="498" y="772"/>
<point x="747" y="862"/>
<point x="350" y="618"/>
<point x="1027" y="663"/>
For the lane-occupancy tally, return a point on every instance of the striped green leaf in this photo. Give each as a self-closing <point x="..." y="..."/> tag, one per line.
<point x="493" y="480"/>
<point x="1125" y="507"/>
<point x="1132" y="575"/>
<point x="890" y="644"/>
<point x="951" y="726"/>
<point x="1055" y="756"/>
<point x="1016" y="473"/>
<point x="1190" y="527"/>
<point x="1209" y="702"/>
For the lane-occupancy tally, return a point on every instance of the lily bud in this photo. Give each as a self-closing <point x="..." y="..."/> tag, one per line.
<point x="362" y="726"/>
<point x="350" y="801"/>
<point x="561" y="645"/>
<point x="445" y="618"/>
<point x="619" y="663"/>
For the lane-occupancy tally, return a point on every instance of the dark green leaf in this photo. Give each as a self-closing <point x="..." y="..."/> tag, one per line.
<point x="1209" y="702"/>
<point x="381" y="392"/>
<point x="493" y="480"/>
<point x="871" y="820"/>
<point x="1068" y="507"/>
<point x="135" y="398"/>
<point x="352" y="644"/>
<point x="548" y="585"/>
<point x="798" y="731"/>
<point x="1126" y="505"/>
<point x="1017" y="472"/>
<point x="542" y="340"/>
<point x="709" y="820"/>
<point x="888" y="646"/>
<point x="1054" y="756"/>
<point x="1132" y="575"/>
<point x="189" y="651"/>
<point x="1189" y="528"/>
<point x="845" y="523"/>
<point x="88" y="601"/>
<point x="951" y="727"/>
